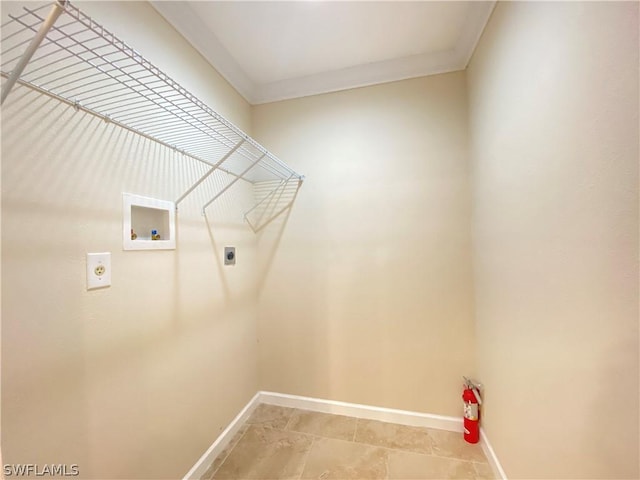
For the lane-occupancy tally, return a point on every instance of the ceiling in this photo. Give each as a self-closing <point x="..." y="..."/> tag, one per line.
<point x="273" y="50"/>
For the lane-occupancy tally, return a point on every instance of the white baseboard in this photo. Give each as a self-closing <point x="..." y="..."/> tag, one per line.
<point x="219" y="444"/>
<point x="491" y="456"/>
<point x="402" y="417"/>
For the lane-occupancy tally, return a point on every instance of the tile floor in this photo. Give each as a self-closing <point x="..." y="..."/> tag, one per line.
<point x="286" y="443"/>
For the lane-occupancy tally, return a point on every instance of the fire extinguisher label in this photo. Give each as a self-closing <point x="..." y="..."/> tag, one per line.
<point x="471" y="411"/>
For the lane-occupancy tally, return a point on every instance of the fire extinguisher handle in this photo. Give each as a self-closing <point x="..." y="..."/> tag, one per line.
<point x="477" y="394"/>
<point x="474" y="387"/>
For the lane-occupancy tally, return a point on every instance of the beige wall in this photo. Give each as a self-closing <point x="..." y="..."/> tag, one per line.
<point x="366" y="291"/>
<point x="553" y="101"/>
<point x="134" y="381"/>
<point x="366" y="283"/>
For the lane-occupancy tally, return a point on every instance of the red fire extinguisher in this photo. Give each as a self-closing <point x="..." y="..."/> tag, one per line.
<point x="472" y="402"/>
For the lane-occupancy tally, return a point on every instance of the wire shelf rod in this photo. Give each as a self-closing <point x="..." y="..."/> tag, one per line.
<point x="186" y="138"/>
<point x="125" y="100"/>
<point x="145" y="87"/>
<point x="48" y="73"/>
<point x="117" y="99"/>
<point x="102" y="66"/>
<point x="282" y="182"/>
<point x="169" y="133"/>
<point x="142" y="117"/>
<point x="85" y="65"/>
<point x="41" y="7"/>
<point x="84" y="92"/>
<point x="149" y="85"/>
<point x="80" y="93"/>
<point x="256" y="228"/>
<point x="172" y="135"/>
<point x="271" y="203"/>
<point x="12" y="18"/>
<point x="102" y="101"/>
<point x="18" y="45"/>
<point x="176" y="131"/>
<point x="82" y="61"/>
<point x="277" y="166"/>
<point x="277" y="169"/>
<point x="270" y="169"/>
<point x="230" y="184"/>
<point x="148" y="120"/>
<point x="280" y="172"/>
<point x="134" y="114"/>
<point x="91" y="75"/>
<point x="57" y="42"/>
<point x="126" y="127"/>
<point x="283" y="165"/>
<point x="29" y="13"/>
<point x="54" y="13"/>
<point x="213" y="169"/>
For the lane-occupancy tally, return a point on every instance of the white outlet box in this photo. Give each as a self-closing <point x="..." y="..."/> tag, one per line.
<point x="98" y="270"/>
<point x="141" y="216"/>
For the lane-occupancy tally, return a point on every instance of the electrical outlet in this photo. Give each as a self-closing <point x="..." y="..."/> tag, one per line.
<point x="98" y="270"/>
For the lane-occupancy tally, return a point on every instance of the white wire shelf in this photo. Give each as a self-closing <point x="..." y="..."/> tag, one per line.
<point x="61" y="52"/>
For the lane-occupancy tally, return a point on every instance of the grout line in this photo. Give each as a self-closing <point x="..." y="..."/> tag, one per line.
<point x="400" y="450"/>
<point x="355" y="430"/>
<point x="306" y="457"/>
<point x="293" y="412"/>
<point x="386" y="461"/>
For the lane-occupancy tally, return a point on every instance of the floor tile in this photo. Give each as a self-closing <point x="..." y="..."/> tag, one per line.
<point x="483" y="471"/>
<point x="270" y="416"/>
<point x="410" y="466"/>
<point x="453" y="445"/>
<point x="223" y="455"/>
<point x="342" y="460"/>
<point x="391" y="435"/>
<point x="322" y="424"/>
<point x="266" y="453"/>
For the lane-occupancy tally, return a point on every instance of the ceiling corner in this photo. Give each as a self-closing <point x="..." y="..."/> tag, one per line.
<point x="477" y="20"/>
<point x="189" y="25"/>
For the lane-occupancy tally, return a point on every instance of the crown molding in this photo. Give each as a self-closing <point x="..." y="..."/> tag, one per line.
<point x="187" y="22"/>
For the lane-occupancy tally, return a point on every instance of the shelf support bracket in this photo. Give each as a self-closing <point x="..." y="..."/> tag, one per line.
<point x="213" y="169"/>
<point x="260" y="225"/>
<point x="232" y="182"/>
<point x="55" y="12"/>
<point x="282" y="183"/>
